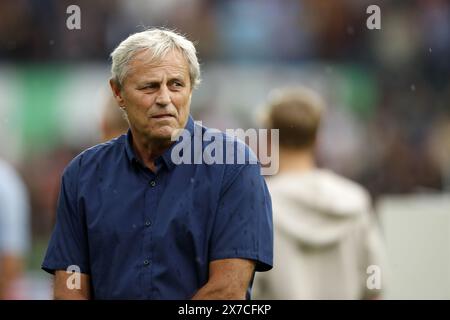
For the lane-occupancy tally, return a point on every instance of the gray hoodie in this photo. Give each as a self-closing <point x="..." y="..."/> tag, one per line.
<point x="327" y="245"/>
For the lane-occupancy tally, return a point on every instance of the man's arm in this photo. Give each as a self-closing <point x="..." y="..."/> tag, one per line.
<point x="228" y="280"/>
<point x="61" y="290"/>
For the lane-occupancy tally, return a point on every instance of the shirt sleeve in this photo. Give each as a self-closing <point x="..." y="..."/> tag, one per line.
<point x="68" y="244"/>
<point x="243" y="223"/>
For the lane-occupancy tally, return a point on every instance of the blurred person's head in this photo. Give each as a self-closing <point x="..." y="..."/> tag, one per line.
<point x="296" y="112"/>
<point x="153" y="75"/>
<point x="113" y="121"/>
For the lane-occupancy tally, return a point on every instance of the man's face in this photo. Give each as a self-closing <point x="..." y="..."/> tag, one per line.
<point x="157" y="95"/>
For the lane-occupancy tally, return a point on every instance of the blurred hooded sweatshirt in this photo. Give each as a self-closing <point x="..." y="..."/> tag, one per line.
<point x="325" y="240"/>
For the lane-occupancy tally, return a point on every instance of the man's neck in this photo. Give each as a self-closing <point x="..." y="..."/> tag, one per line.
<point x="149" y="150"/>
<point x="297" y="161"/>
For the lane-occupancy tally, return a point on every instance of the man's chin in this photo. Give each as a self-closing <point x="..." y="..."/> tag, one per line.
<point x="163" y="133"/>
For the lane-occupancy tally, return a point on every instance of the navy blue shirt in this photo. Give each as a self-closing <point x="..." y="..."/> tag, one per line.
<point x="145" y="235"/>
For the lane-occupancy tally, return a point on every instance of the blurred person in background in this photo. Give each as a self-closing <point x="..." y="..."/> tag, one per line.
<point x="324" y="234"/>
<point x="113" y="122"/>
<point x="14" y="232"/>
<point x="138" y="226"/>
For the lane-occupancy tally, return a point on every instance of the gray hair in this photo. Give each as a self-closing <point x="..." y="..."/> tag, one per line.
<point x="159" y="42"/>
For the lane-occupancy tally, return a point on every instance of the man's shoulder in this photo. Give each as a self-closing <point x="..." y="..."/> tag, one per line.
<point x="320" y="184"/>
<point x="96" y="153"/>
<point x="346" y="188"/>
<point x="225" y="152"/>
<point x="345" y="183"/>
<point x="236" y="153"/>
<point x="104" y="149"/>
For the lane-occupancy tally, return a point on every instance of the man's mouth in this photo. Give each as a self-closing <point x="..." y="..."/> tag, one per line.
<point x="163" y="116"/>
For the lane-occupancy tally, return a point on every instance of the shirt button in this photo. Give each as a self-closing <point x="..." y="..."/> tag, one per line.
<point x="146" y="262"/>
<point x="152" y="183"/>
<point x="148" y="223"/>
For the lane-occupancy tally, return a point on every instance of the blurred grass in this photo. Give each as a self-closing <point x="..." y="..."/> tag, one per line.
<point x="36" y="254"/>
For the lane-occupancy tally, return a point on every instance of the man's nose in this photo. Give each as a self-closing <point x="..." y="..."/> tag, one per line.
<point x="163" y="97"/>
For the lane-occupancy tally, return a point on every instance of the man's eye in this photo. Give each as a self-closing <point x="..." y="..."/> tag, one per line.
<point x="149" y="86"/>
<point x="177" y="84"/>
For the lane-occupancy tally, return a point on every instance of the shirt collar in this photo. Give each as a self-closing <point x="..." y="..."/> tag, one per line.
<point x="165" y="158"/>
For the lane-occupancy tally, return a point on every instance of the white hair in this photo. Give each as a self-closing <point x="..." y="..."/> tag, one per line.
<point x="159" y="42"/>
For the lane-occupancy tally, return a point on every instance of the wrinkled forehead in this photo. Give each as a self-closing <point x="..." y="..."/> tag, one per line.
<point x="146" y="58"/>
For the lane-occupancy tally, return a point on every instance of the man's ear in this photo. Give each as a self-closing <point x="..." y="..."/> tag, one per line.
<point x="117" y="92"/>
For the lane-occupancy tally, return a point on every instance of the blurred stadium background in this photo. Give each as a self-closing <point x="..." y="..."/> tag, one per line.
<point x="388" y="95"/>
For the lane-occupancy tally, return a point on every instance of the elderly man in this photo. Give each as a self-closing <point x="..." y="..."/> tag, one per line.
<point x="138" y="226"/>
